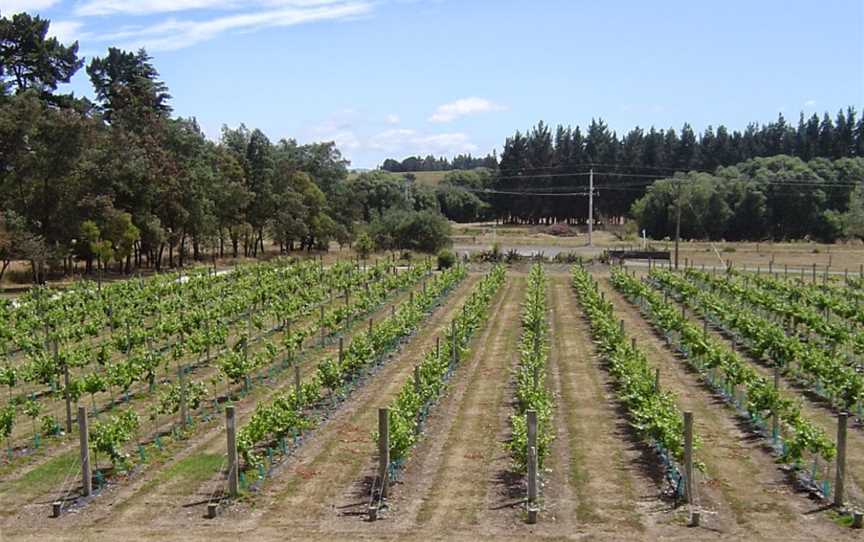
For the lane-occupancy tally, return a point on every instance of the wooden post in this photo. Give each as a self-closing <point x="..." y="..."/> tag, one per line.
<point x="370" y="326"/>
<point x="298" y="390"/>
<point x="688" y="457"/>
<point x="840" y="481"/>
<point x="657" y="379"/>
<point x="383" y="448"/>
<point x="417" y="390"/>
<point x="455" y="354"/>
<point x="775" y="418"/>
<point x="531" y="416"/>
<point x="814" y="273"/>
<point x="233" y="467"/>
<point x="341" y="350"/>
<point x="705" y="328"/>
<point x="84" y="435"/>
<point x="322" y="326"/>
<point x="67" y="397"/>
<point x="184" y="414"/>
<point x="438" y="347"/>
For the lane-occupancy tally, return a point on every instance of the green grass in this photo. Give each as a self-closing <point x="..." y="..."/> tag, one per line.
<point x="195" y="468"/>
<point x="49" y="475"/>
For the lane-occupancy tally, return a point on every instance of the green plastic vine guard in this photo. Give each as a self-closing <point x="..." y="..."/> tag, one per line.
<point x="100" y="479"/>
<point x="142" y="453"/>
<point x="37" y="440"/>
<point x="261" y="472"/>
<point x="158" y="442"/>
<point x="283" y="446"/>
<point x="242" y="479"/>
<point x="10" y="453"/>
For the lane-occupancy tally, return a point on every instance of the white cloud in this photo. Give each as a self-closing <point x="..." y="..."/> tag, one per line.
<point x="8" y="7"/>
<point x="465" y="106"/>
<point x="149" y="7"/>
<point x="810" y="103"/>
<point x="391" y="119"/>
<point x="175" y="34"/>
<point x="66" y="31"/>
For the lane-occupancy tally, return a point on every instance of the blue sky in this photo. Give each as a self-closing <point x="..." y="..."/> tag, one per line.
<point x="398" y="77"/>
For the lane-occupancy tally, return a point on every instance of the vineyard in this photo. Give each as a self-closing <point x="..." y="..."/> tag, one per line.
<point x="392" y="399"/>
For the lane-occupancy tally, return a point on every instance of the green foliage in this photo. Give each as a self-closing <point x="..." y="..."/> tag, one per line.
<point x="415" y="397"/>
<point x="286" y="414"/>
<point x="109" y="437"/>
<point x="446" y="259"/>
<point x="707" y="353"/>
<point x="531" y="390"/>
<point x="423" y="231"/>
<point x="363" y="245"/>
<point x="653" y="413"/>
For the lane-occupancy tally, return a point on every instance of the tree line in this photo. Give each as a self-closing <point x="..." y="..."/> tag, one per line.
<point x="119" y="181"/>
<point x="441" y="163"/>
<point x="539" y="163"/>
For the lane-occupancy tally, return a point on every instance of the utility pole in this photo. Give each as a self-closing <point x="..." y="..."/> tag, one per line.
<point x="677" y="223"/>
<point x="591" y="208"/>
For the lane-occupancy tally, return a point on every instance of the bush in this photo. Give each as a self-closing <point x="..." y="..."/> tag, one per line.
<point x="560" y="230"/>
<point x="446" y="259"/>
<point x="424" y="231"/>
<point x="363" y="245"/>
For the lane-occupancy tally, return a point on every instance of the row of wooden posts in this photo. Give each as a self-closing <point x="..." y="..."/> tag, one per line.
<point x="729" y="265"/>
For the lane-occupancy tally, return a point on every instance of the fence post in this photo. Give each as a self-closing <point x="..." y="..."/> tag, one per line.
<point x="297" y="389"/>
<point x="775" y="418"/>
<point x="322" y="326"/>
<point x="383" y="448"/>
<point x="233" y="470"/>
<point x="531" y="416"/>
<point x="417" y="390"/>
<point x="84" y="435"/>
<point x="455" y="354"/>
<point x="839" y="482"/>
<point x="688" y="466"/>
<point x="184" y="414"/>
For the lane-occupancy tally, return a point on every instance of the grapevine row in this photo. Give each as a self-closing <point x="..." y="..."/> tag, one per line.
<point x="531" y="390"/>
<point x="728" y="372"/>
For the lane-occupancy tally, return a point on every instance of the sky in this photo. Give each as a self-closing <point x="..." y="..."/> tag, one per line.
<point x="394" y="78"/>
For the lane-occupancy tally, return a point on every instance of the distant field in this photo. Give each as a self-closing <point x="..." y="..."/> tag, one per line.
<point x="430" y="178"/>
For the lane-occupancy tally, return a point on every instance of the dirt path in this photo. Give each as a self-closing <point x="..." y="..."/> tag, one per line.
<point x="193" y="462"/>
<point x="447" y="477"/>
<point x="602" y="479"/>
<point x="316" y="491"/>
<point x="743" y="492"/>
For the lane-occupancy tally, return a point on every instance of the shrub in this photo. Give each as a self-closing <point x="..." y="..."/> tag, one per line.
<point x="424" y="231"/>
<point x="364" y="245"/>
<point x="446" y="259"/>
<point x="560" y="230"/>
